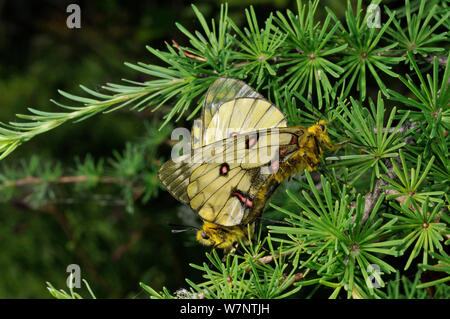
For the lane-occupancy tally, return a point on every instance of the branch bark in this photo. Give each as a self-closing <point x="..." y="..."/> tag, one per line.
<point x="372" y="197"/>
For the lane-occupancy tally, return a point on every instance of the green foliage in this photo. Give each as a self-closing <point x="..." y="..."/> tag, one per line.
<point x="442" y="266"/>
<point x="409" y="187"/>
<point x="133" y="171"/>
<point x="363" y="125"/>
<point x="239" y="277"/>
<point x="404" y="288"/>
<point x="421" y="228"/>
<point x="378" y="203"/>
<point x="339" y="240"/>
<point x="365" y="53"/>
<point x="257" y="47"/>
<point x="61" y="294"/>
<point x="316" y="48"/>
<point x="418" y="36"/>
<point x="433" y="96"/>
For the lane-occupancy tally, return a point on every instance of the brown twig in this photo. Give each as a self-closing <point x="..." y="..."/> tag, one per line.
<point x="189" y="55"/>
<point x="138" y="190"/>
<point x="297" y="277"/>
<point x="442" y="60"/>
<point x="268" y="259"/>
<point x="63" y="180"/>
<point x="372" y="198"/>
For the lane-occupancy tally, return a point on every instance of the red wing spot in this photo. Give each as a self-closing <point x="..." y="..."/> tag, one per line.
<point x="224" y="169"/>
<point x="252" y="142"/>
<point x="240" y="196"/>
<point x="283" y="151"/>
<point x="293" y="140"/>
<point x="246" y="201"/>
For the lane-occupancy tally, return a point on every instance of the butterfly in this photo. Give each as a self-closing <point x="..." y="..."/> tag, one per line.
<point x="242" y="150"/>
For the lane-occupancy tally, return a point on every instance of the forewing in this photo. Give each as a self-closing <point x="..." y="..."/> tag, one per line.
<point x="243" y="115"/>
<point x="221" y="91"/>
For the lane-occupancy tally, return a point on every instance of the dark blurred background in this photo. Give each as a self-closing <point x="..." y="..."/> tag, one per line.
<point x="39" y="55"/>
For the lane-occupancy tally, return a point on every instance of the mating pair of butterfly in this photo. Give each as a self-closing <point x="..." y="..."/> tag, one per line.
<point x="228" y="177"/>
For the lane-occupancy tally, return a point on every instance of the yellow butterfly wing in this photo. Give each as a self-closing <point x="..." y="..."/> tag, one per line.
<point x="243" y="115"/>
<point x="174" y="175"/>
<point x="222" y="189"/>
<point x="202" y="171"/>
<point x="221" y="91"/>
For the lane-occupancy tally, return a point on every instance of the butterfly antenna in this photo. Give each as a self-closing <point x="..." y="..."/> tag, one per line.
<point x="355" y="144"/>
<point x="183" y="229"/>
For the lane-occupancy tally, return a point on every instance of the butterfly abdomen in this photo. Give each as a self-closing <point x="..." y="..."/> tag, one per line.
<point x="306" y="157"/>
<point x="285" y="170"/>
